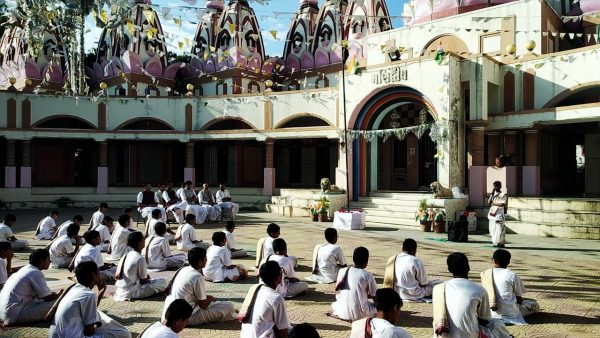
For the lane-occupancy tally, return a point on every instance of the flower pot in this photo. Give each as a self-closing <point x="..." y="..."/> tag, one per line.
<point x="439" y="227"/>
<point x="323" y="217"/>
<point x="314" y="217"/>
<point x="425" y="226"/>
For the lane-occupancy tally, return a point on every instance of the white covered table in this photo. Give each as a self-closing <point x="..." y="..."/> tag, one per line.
<point x="354" y="220"/>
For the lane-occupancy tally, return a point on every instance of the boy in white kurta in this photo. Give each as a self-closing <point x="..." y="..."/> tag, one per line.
<point x="46" y="227"/>
<point x="6" y="234"/>
<point x="6" y="257"/>
<point x="328" y="258"/>
<point x="76" y="313"/>
<point x="290" y="286"/>
<point x="118" y="240"/>
<point x="61" y="230"/>
<point x="508" y="289"/>
<point x="169" y="235"/>
<point x="264" y="246"/>
<point x="133" y="281"/>
<point x="219" y="266"/>
<point x="157" y="251"/>
<point x="354" y="287"/>
<point x="466" y="304"/>
<point x="383" y="325"/>
<point x="105" y="229"/>
<point x="174" y="321"/>
<point x="90" y="252"/>
<point x="188" y="284"/>
<point x="26" y="297"/>
<point x="235" y="252"/>
<point x="186" y="235"/>
<point x="98" y="216"/>
<point x="410" y="277"/>
<point x="263" y="312"/>
<point x="61" y="249"/>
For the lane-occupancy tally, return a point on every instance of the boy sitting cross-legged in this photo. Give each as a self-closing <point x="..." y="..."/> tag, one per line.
<point x="219" y="266"/>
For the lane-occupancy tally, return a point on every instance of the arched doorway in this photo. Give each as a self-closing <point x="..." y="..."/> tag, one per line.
<point x="392" y="164"/>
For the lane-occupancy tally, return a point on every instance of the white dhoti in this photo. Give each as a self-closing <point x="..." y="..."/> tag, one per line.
<point x="198" y="211"/>
<point x="44" y="235"/>
<point x="110" y="328"/>
<point x="108" y="274"/>
<point x="178" y="210"/>
<point x="230" y="209"/>
<point x="213" y="211"/>
<point x="61" y="263"/>
<point x="19" y="244"/>
<point x="151" y="288"/>
<point x="529" y="307"/>
<point x="147" y="212"/>
<point x="34" y="311"/>
<point x="295" y="288"/>
<point x="497" y="229"/>
<point x="216" y="312"/>
<point x="176" y="261"/>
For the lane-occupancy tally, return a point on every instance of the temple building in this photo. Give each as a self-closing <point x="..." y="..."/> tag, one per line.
<point x="467" y="92"/>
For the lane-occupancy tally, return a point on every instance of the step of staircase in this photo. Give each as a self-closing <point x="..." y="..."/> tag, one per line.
<point x="391" y="209"/>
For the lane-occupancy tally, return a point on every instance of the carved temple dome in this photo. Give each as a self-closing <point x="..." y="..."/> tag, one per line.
<point x="419" y="11"/>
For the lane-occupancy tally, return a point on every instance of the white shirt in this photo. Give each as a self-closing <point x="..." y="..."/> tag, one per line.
<point x="97" y="218"/>
<point x="89" y="253"/>
<point x="189" y="286"/>
<point x="380" y="328"/>
<point x="222" y="194"/>
<point x="508" y="286"/>
<point x="328" y="258"/>
<point x="410" y="275"/>
<point x="465" y="302"/>
<point x="230" y="239"/>
<point x="217" y="258"/>
<point x="62" y="229"/>
<point x="5" y="232"/>
<point x="3" y="271"/>
<point x="76" y="310"/>
<point x="61" y="248"/>
<point x="188" y="235"/>
<point x="158" y="250"/>
<point x="134" y="269"/>
<point x="118" y="242"/>
<point x="268" y="246"/>
<point x="158" y="330"/>
<point x="22" y="287"/>
<point x="47" y="224"/>
<point x="104" y="233"/>
<point x="268" y="312"/>
<point x="352" y="302"/>
<point x="184" y="193"/>
<point x="287" y="266"/>
<point x="151" y="223"/>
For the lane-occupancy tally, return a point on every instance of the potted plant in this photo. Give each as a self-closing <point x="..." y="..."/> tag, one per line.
<point x="439" y="221"/>
<point x="424" y="216"/>
<point x="314" y="214"/>
<point x="322" y="208"/>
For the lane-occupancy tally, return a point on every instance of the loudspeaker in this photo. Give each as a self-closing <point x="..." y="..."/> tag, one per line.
<point x="458" y="231"/>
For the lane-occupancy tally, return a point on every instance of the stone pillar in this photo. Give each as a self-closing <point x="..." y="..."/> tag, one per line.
<point x="102" y="184"/>
<point x="26" y="164"/>
<point x="478" y="169"/>
<point x="269" y="171"/>
<point x="531" y="169"/>
<point x="189" y="172"/>
<point x="10" y="171"/>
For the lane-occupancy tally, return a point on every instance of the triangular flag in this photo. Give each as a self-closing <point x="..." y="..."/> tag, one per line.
<point x="231" y="27"/>
<point x="273" y="33"/>
<point x="149" y="14"/>
<point x="177" y="22"/>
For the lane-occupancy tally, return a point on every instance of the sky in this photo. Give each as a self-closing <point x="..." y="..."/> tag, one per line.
<point x="272" y="15"/>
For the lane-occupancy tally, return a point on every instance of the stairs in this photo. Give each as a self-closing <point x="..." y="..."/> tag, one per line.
<point x="554" y="217"/>
<point x="396" y="209"/>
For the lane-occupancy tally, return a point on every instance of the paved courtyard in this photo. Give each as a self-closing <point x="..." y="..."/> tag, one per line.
<point x="562" y="274"/>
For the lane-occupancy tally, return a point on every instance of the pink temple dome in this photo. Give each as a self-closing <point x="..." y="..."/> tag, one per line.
<point x="427" y="10"/>
<point x="214" y="4"/>
<point x="308" y="2"/>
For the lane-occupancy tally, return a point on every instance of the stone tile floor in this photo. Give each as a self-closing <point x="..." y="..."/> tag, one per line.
<point x="562" y="274"/>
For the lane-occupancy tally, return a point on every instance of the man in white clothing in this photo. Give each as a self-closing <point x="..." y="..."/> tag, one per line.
<point x="158" y="253"/>
<point x="206" y="199"/>
<point x="328" y="258"/>
<point x="46" y="227"/>
<point x="498" y="202"/>
<point x="62" y="229"/>
<point x="175" y="320"/>
<point x="151" y="223"/>
<point x="118" y="239"/>
<point x="235" y="252"/>
<point x="26" y="297"/>
<point x="61" y="249"/>
<point x="410" y="277"/>
<point x="188" y="284"/>
<point x="6" y="234"/>
<point x="459" y="305"/>
<point x="98" y="216"/>
<point x="193" y="206"/>
<point x="186" y="235"/>
<point x="223" y="198"/>
<point x="104" y="230"/>
<point x="148" y="201"/>
<point x="90" y="252"/>
<point x="133" y="281"/>
<point x="290" y="286"/>
<point x="388" y="304"/>
<point x="263" y="312"/>
<point x="76" y="311"/>
<point x="174" y="203"/>
<point x="264" y="247"/>
<point x="219" y="266"/>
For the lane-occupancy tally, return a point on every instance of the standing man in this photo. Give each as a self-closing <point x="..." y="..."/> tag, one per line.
<point x="498" y="203"/>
